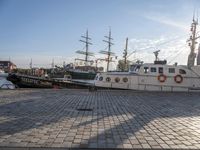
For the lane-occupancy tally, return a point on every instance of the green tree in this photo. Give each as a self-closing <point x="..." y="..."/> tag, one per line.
<point x="122" y="66"/>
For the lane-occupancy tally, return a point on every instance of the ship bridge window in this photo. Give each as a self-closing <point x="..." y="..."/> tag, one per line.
<point x="153" y="69"/>
<point x="181" y="71"/>
<point x="171" y="70"/>
<point x="160" y="69"/>
<point x="137" y="68"/>
<point x="146" y="69"/>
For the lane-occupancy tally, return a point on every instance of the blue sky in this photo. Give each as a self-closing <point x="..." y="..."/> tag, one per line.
<point x="50" y="29"/>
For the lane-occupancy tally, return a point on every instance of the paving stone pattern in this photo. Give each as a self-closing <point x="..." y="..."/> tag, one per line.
<point x="102" y="119"/>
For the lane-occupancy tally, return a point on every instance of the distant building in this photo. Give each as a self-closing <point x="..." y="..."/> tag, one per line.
<point x="7" y="66"/>
<point x="38" y="71"/>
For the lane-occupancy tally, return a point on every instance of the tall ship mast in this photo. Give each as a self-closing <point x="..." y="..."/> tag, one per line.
<point x="108" y="52"/>
<point x="192" y="43"/>
<point x="86" y="39"/>
<point x="86" y="71"/>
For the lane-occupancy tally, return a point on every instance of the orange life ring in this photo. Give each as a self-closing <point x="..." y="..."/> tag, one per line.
<point x="178" y="78"/>
<point x="162" y="78"/>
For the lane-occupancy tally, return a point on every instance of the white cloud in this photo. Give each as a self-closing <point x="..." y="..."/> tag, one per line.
<point x="173" y="50"/>
<point x="167" y="21"/>
<point x="23" y="61"/>
<point x="39" y="60"/>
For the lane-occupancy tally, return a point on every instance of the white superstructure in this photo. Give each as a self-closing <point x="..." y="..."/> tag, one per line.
<point x="157" y="76"/>
<point x="153" y="77"/>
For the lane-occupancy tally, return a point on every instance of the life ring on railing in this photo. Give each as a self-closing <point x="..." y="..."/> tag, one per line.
<point x="178" y="78"/>
<point x="162" y="78"/>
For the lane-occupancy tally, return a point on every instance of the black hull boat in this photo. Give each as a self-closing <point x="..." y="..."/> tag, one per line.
<point x="27" y="81"/>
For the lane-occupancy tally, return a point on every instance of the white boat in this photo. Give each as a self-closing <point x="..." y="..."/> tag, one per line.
<point x="4" y="83"/>
<point x="3" y="74"/>
<point x="157" y="76"/>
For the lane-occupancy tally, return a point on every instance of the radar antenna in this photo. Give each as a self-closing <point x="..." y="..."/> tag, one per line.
<point x="156" y="53"/>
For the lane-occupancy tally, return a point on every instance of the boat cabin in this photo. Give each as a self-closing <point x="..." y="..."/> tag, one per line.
<point x="154" y="77"/>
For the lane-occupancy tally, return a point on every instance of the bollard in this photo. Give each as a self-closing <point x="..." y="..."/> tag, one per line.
<point x="92" y="88"/>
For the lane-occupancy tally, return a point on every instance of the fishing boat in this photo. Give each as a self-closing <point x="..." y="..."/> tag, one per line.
<point x="158" y="76"/>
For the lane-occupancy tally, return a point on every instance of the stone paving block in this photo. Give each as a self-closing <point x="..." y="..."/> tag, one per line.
<point x="118" y="119"/>
<point x="128" y="146"/>
<point x="188" y="143"/>
<point x="145" y="146"/>
<point x="94" y="145"/>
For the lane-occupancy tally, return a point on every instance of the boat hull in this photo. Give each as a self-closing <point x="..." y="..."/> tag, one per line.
<point x="24" y="81"/>
<point x="82" y="75"/>
<point x="146" y="82"/>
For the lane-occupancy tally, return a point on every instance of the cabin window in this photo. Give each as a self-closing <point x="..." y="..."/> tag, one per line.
<point x="100" y="78"/>
<point x="117" y="79"/>
<point x="137" y="68"/>
<point x="96" y="77"/>
<point x="160" y="69"/>
<point x="146" y="69"/>
<point x="181" y="71"/>
<point x="108" y="79"/>
<point x="125" y="79"/>
<point x="171" y="70"/>
<point x="153" y="69"/>
<point x="132" y="68"/>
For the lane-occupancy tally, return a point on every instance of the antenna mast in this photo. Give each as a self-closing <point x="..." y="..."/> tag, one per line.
<point x="31" y="64"/>
<point x="86" y="40"/>
<point x="52" y="64"/>
<point x="192" y="43"/>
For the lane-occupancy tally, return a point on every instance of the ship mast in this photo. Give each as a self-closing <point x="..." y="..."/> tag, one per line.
<point x="108" y="53"/>
<point x="192" y="43"/>
<point x="86" y="40"/>
<point x="125" y="52"/>
<point x="125" y="55"/>
<point x="198" y="56"/>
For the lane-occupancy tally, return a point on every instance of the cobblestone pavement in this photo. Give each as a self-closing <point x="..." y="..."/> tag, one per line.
<point x="102" y="119"/>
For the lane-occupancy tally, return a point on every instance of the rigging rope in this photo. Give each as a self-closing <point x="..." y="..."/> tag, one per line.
<point x="178" y="53"/>
<point x="158" y="44"/>
<point x="104" y="49"/>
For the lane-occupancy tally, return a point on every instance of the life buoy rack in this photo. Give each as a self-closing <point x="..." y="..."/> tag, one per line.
<point x="162" y="78"/>
<point x="178" y="78"/>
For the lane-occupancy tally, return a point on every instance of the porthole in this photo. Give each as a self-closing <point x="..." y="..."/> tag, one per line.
<point x="100" y="78"/>
<point x="108" y="79"/>
<point x="117" y="79"/>
<point x="125" y="79"/>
